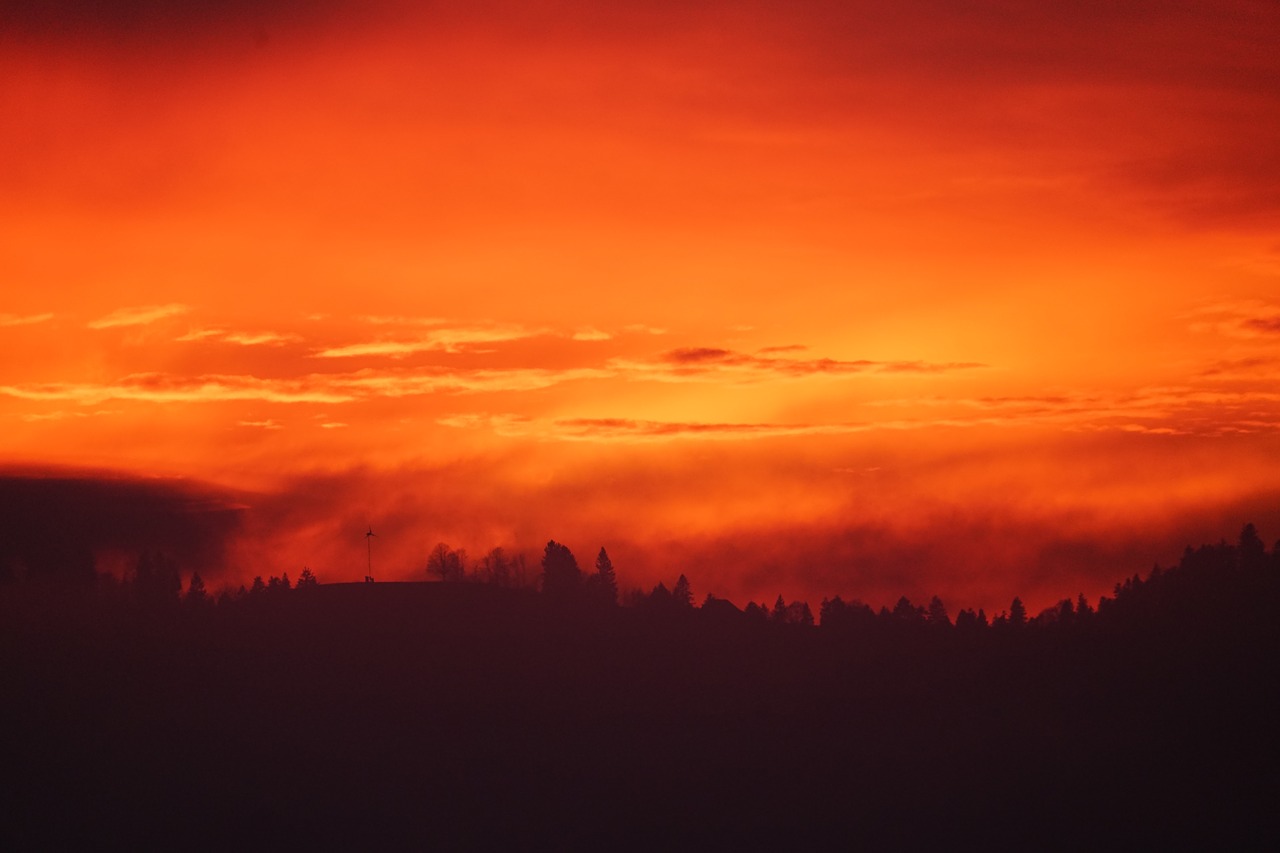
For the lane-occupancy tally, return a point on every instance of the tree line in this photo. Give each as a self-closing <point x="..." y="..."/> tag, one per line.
<point x="1201" y="574"/>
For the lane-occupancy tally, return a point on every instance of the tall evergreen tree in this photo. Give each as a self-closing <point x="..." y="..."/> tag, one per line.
<point x="779" y="613"/>
<point x="1017" y="613"/>
<point x="937" y="614"/>
<point x="605" y="579"/>
<point x="682" y="594"/>
<point x="1253" y="554"/>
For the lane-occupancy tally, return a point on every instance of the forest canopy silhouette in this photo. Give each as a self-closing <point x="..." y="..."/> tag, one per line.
<point x="497" y="698"/>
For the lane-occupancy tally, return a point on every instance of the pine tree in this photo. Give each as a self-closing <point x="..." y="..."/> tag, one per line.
<point x="779" y="613"/>
<point x="683" y="593"/>
<point x="938" y="613"/>
<point x="605" y="579"/>
<point x="1017" y="613"/>
<point x="1253" y="554"/>
<point x="805" y="616"/>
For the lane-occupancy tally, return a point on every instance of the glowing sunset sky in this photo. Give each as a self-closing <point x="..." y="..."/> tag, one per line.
<point x="802" y="298"/>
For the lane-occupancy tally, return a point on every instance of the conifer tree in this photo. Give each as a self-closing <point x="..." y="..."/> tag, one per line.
<point x="1017" y="613"/>
<point x="606" y="581"/>
<point x="682" y="594"/>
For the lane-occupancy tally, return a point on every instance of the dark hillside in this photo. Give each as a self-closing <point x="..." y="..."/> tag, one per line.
<point x="390" y="715"/>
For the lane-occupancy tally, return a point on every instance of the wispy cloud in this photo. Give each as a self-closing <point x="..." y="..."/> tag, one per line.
<point x="400" y="320"/>
<point x="416" y="382"/>
<point x="247" y="339"/>
<point x="639" y="430"/>
<point x="589" y="333"/>
<point x="37" y="417"/>
<point x="269" y="423"/>
<point x="1247" y="319"/>
<point x="1251" y="368"/>
<point x="453" y="339"/>
<point x="138" y="315"/>
<point x="1269" y="325"/>
<point x="1157" y="410"/>
<point x="163" y="388"/>
<point x="313" y="388"/>
<point x="642" y="329"/>
<point x="23" y="320"/>
<point x="713" y="364"/>
<point x="604" y="429"/>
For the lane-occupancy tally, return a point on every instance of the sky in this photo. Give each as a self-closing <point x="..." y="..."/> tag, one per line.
<point x="804" y="298"/>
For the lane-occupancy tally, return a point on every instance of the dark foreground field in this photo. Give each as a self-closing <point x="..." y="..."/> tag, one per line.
<point x="462" y="716"/>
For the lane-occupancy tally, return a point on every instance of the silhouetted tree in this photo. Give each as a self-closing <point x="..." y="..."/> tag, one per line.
<point x="1017" y="613"/>
<point x="560" y="573"/>
<point x="1253" y="554"/>
<point x="1062" y="613"/>
<point x="798" y="613"/>
<point x="831" y="611"/>
<point x="1066" y="610"/>
<point x="779" y="613"/>
<point x="837" y="613"/>
<point x="604" y="583"/>
<point x="682" y="594"/>
<point x="795" y="613"/>
<point x="906" y="612"/>
<point x="258" y="586"/>
<point x="306" y="580"/>
<point x="446" y="563"/>
<point x="495" y="568"/>
<point x="937" y="614"/>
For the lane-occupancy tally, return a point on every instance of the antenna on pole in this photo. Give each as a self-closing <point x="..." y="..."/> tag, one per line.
<point x="368" y="538"/>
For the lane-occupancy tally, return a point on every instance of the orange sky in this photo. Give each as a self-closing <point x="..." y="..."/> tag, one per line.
<point x="802" y="298"/>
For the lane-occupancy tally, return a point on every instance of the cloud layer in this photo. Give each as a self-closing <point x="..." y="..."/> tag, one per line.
<point x="138" y="316"/>
<point x="874" y="276"/>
